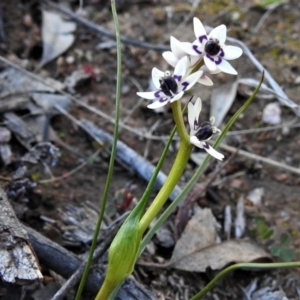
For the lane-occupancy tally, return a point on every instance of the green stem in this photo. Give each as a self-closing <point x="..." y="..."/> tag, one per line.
<point x="197" y="66"/>
<point x="259" y="266"/>
<point x="175" y="173"/>
<point x="112" y="158"/>
<point x="148" y="190"/>
<point x="177" y="114"/>
<point x="197" y="175"/>
<point x="105" y="290"/>
<point x="163" y="195"/>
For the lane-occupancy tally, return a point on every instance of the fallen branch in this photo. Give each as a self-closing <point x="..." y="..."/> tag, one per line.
<point x="262" y="159"/>
<point x="104" y="32"/>
<point x="128" y="156"/>
<point x="65" y="263"/>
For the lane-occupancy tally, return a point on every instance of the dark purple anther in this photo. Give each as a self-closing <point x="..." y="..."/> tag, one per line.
<point x="204" y="132"/>
<point x="169" y="86"/>
<point x="212" y="47"/>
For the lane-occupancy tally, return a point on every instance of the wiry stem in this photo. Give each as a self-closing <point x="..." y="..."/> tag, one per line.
<point x="175" y="173"/>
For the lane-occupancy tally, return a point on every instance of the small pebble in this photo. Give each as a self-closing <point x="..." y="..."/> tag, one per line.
<point x="272" y="114"/>
<point x="70" y="59"/>
<point x="281" y="177"/>
<point x="5" y="135"/>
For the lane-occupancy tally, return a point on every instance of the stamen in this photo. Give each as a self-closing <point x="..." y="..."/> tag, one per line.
<point x="216" y="130"/>
<point x="212" y="47"/>
<point x="204" y="132"/>
<point x="169" y="86"/>
<point x="167" y="74"/>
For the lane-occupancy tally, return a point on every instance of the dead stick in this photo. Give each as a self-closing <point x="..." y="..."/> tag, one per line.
<point x="128" y="156"/>
<point x="74" y="279"/>
<point x="104" y="32"/>
<point x="65" y="263"/>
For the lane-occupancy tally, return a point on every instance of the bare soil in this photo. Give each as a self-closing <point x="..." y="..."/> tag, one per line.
<point x="275" y="44"/>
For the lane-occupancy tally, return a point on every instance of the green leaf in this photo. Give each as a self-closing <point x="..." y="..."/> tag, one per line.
<point x="282" y="250"/>
<point x="275" y="250"/>
<point x="287" y="254"/>
<point x="285" y="240"/>
<point x="259" y="219"/>
<point x="267" y="234"/>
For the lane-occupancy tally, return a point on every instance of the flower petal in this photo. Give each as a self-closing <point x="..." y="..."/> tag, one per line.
<point x="232" y="52"/>
<point x="205" y="80"/>
<point x="191" y="117"/>
<point x="177" y="97"/>
<point x="157" y="104"/>
<point x="176" y="48"/>
<point x="219" y="33"/>
<point x="194" y="49"/>
<point x="190" y="81"/>
<point x="196" y="142"/>
<point x="199" y="28"/>
<point x="206" y="71"/>
<point x="198" y="107"/>
<point x="226" y="67"/>
<point x="170" y="58"/>
<point x="181" y="68"/>
<point x="147" y="95"/>
<point x="156" y="75"/>
<point x="210" y="150"/>
<point x="209" y="63"/>
<point x="192" y="60"/>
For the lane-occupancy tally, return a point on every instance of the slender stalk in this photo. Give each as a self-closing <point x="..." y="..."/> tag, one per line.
<point x="198" y="65"/>
<point x="163" y="195"/>
<point x="177" y="114"/>
<point x="148" y="190"/>
<point x="164" y="216"/>
<point x="197" y="175"/>
<point x="113" y="153"/>
<point x="259" y="266"/>
<point x="175" y="172"/>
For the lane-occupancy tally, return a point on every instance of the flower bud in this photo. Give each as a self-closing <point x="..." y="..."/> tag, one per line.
<point x="122" y="253"/>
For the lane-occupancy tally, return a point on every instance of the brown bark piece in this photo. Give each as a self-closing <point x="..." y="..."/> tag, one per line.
<point x="18" y="263"/>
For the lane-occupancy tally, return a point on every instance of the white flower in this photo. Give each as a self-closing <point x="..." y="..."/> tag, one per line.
<point x="172" y="57"/>
<point x="212" y="48"/>
<point x="170" y="87"/>
<point x="201" y="133"/>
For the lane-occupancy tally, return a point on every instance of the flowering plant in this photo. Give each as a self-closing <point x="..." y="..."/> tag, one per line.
<point x="192" y="63"/>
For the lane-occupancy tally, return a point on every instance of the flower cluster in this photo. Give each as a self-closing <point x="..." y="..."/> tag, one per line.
<point x="192" y="62"/>
<point x="171" y="87"/>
